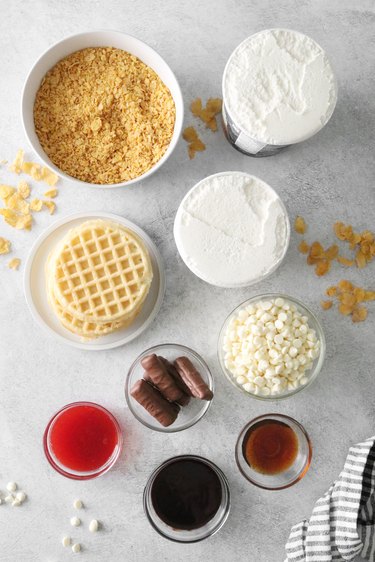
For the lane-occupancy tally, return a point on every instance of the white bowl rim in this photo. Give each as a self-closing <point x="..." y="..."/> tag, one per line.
<point x="179" y="118"/>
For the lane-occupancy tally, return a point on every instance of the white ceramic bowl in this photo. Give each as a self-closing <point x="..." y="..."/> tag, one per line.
<point x="97" y="39"/>
<point x="36" y="290"/>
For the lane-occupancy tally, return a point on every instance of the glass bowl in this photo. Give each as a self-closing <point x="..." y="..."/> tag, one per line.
<point x="75" y="474"/>
<point x="313" y="323"/>
<point x="194" y="535"/>
<point x="188" y="415"/>
<point x="285" y="479"/>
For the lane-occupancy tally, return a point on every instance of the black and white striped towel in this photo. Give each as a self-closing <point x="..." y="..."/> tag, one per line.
<point x="342" y="524"/>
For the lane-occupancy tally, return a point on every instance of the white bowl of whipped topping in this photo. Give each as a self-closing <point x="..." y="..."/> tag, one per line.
<point x="232" y="230"/>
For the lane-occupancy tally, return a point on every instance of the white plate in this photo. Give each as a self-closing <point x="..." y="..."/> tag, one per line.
<point x="36" y="291"/>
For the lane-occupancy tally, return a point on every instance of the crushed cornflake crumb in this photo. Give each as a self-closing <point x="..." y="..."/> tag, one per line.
<point x="14" y="263"/>
<point x="4" y="246"/>
<point x="103" y="116"/>
<point x="299" y="225"/>
<point x="349" y="299"/>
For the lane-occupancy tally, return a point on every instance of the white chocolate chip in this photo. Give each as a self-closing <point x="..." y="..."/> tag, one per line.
<point x="75" y="521"/>
<point x="77" y="504"/>
<point x="76" y="547"/>
<point x="94" y="526"/>
<point x="21" y="496"/>
<point x="66" y="541"/>
<point x="16" y="503"/>
<point x="11" y="486"/>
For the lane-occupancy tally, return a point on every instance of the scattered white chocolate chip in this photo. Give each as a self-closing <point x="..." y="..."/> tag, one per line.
<point x="66" y="541"/>
<point x="77" y="504"/>
<point x="269" y="347"/>
<point x="76" y="547"/>
<point x="11" y="486"/>
<point x="21" y="496"/>
<point x="94" y="526"/>
<point x="75" y="521"/>
<point x="16" y="503"/>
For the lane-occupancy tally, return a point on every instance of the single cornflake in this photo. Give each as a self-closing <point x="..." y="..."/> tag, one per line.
<point x="16" y="165"/>
<point x="190" y="134"/>
<point x="300" y="225"/>
<point x="196" y="107"/>
<point x="51" y="193"/>
<point x="326" y="305"/>
<point x="4" y="246"/>
<point x="322" y="267"/>
<point x="359" y="314"/>
<point x="345" y="261"/>
<point x="6" y="191"/>
<point x="51" y="206"/>
<point x="14" y="263"/>
<point x="36" y="205"/>
<point x="23" y="189"/>
<point x="198" y="145"/>
<point x="303" y="247"/>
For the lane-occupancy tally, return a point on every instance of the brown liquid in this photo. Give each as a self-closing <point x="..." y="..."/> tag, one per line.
<point x="270" y="447"/>
<point x="186" y="494"/>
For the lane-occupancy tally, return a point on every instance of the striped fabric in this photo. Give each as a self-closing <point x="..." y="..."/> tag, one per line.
<point x="342" y="524"/>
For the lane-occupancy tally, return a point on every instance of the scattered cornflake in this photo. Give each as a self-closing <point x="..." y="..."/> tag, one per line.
<point x="300" y="225"/>
<point x="345" y="261"/>
<point x="303" y="247"/>
<point x="190" y="135"/>
<point x="6" y="191"/>
<point x="51" y="193"/>
<point x="4" y="246"/>
<point x="36" y="205"/>
<point x="207" y="114"/>
<point x="49" y="177"/>
<point x="3" y="162"/>
<point x="24" y="222"/>
<point x="16" y="203"/>
<point x="16" y="165"/>
<point x="51" y="206"/>
<point x="362" y="242"/>
<point x="14" y="263"/>
<point x="23" y="189"/>
<point x="349" y="298"/>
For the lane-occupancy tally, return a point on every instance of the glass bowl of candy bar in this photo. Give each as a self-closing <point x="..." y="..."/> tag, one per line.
<point x="169" y="388"/>
<point x="271" y="346"/>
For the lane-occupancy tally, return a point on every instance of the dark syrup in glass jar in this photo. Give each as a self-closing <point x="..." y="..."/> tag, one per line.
<point x="186" y="494"/>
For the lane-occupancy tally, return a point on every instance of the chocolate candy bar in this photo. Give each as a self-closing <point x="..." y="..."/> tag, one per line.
<point x="156" y="373"/>
<point x="152" y="401"/>
<point x="178" y="380"/>
<point x="193" y="380"/>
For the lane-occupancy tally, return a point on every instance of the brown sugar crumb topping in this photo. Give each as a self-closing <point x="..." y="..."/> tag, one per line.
<point x="103" y="116"/>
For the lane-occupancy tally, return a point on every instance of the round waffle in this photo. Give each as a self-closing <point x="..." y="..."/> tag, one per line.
<point x="99" y="274"/>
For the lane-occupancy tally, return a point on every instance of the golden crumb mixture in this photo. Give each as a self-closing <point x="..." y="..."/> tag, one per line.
<point x="103" y="116"/>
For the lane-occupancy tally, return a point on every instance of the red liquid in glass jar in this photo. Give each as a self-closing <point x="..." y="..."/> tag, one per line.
<point x="83" y="438"/>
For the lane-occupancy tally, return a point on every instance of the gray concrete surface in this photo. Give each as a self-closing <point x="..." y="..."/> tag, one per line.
<point x="328" y="178"/>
